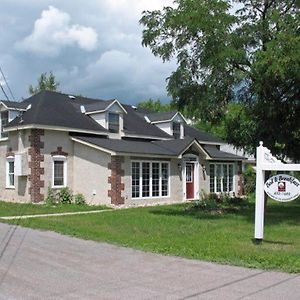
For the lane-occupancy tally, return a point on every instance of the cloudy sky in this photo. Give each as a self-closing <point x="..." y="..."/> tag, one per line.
<point x="92" y="47"/>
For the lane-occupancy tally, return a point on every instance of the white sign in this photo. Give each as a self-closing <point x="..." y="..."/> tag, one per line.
<point x="282" y="188"/>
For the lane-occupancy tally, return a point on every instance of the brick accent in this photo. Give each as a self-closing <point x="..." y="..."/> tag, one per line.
<point x="115" y="180"/>
<point x="59" y="151"/>
<point x="36" y="157"/>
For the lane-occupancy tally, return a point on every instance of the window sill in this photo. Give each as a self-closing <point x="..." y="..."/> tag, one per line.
<point x="10" y="188"/>
<point x="56" y="187"/>
<point x="148" y="198"/>
<point x="3" y="139"/>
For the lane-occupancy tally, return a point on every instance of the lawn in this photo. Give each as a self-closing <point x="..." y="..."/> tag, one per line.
<point x="16" y="209"/>
<point x="225" y="238"/>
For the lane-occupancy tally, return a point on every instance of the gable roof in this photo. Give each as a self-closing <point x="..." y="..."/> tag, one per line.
<point x="172" y="148"/>
<point x="201" y="136"/>
<point x="14" y="105"/>
<point x="215" y="153"/>
<point x="163" y="116"/>
<point x="55" y="110"/>
<point x="101" y="106"/>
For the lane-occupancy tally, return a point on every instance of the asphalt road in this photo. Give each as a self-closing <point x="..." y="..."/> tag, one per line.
<point x="46" y="265"/>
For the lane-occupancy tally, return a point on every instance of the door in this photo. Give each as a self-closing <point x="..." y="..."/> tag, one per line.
<point x="189" y="180"/>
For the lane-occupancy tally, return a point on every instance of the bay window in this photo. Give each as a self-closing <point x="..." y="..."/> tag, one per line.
<point x="221" y="178"/>
<point x="150" y="179"/>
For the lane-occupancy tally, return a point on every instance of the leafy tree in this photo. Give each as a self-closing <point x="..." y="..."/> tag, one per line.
<point x="238" y="51"/>
<point x="44" y="83"/>
<point x="155" y="105"/>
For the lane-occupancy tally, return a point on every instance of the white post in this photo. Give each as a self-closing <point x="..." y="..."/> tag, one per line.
<point x="259" y="193"/>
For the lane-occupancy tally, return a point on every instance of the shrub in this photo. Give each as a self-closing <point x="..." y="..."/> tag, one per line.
<point x="79" y="199"/>
<point x="65" y="196"/>
<point x="249" y="179"/>
<point x="51" y="197"/>
<point x="219" y="203"/>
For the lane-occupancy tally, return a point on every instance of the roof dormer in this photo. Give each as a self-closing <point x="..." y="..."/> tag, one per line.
<point x="170" y="122"/>
<point x="108" y="114"/>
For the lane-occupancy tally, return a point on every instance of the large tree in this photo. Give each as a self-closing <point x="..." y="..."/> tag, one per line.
<point x="155" y="105"/>
<point x="45" y="82"/>
<point x="245" y="51"/>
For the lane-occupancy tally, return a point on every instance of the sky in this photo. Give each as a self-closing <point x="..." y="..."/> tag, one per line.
<point x="92" y="47"/>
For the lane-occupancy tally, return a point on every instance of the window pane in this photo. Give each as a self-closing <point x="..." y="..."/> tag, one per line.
<point x="164" y="179"/>
<point x="11" y="173"/>
<point x="113" y="122"/>
<point x="188" y="174"/>
<point x="176" y="130"/>
<point x="58" y="173"/>
<point x="218" y="175"/>
<point x="212" y="178"/>
<point x="225" y="178"/>
<point x="145" y="179"/>
<point x="230" y="178"/>
<point x="155" y="179"/>
<point x="4" y="122"/>
<point x="135" y="179"/>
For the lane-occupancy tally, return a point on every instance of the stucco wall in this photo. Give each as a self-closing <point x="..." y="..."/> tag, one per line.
<point x="90" y="174"/>
<point x="17" y="142"/>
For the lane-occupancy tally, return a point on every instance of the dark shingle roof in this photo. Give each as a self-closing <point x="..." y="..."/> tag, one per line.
<point x="55" y="109"/>
<point x="164" y="148"/>
<point x="161" y="116"/>
<point x="98" y="106"/>
<point x="135" y="124"/>
<point x="215" y="153"/>
<point x="201" y="136"/>
<point x="14" y="105"/>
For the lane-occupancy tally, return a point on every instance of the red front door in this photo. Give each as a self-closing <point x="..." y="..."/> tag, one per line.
<point x="189" y="179"/>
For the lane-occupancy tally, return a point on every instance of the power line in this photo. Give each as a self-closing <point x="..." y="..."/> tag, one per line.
<point x="4" y="91"/>
<point x="12" y="95"/>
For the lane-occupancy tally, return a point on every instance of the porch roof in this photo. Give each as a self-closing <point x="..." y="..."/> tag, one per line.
<point x="215" y="153"/>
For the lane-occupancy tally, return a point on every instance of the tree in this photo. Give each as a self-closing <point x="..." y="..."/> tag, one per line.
<point x="248" y="55"/>
<point x="45" y="82"/>
<point x="155" y="105"/>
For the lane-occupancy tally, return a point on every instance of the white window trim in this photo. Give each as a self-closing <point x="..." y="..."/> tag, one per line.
<point x="150" y="181"/>
<point x="8" y="160"/>
<point x="222" y="176"/>
<point x="64" y="159"/>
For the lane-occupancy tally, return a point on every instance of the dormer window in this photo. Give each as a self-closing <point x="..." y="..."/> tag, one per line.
<point x="113" y="122"/>
<point x="4" y="122"/>
<point x="176" y="130"/>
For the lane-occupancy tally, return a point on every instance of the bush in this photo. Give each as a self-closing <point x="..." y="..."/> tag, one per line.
<point x="79" y="199"/>
<point x="219" y="203"/>
<point x="51" y="197"/>
<point x="249" y="179"/>
<point x="65" y="196"/>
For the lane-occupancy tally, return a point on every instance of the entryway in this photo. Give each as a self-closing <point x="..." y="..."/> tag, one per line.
<point x="190" y="177"/>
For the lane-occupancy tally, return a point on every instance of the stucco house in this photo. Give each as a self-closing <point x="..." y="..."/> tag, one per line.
<point x="111" y="152"/>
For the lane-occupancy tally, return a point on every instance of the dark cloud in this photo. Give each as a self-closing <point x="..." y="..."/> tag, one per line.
<point x="93" y="48"/>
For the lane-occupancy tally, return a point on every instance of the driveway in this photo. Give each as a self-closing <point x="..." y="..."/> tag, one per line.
<point x="46" y="265"/>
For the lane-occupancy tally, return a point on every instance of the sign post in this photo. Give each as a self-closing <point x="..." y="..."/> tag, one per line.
<point x="288" y="187"/>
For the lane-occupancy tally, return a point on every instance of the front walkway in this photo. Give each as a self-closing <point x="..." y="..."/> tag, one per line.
<point x="47" y="265"/>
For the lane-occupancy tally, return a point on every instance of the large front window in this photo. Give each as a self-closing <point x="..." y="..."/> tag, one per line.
<point x="113" y="122"/>
<point x="150" y="179"/>
<point x="221" y="178"/>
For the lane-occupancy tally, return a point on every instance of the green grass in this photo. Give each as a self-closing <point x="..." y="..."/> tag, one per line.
<point x="173" y="230"/>
<point x="16" y="209"/>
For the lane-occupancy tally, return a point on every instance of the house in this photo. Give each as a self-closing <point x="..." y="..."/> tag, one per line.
<point x="111" y="152"/>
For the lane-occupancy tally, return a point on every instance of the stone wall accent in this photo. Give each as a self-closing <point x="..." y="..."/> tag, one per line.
<point x="115" y="180"/>
<point x="240" y="183"/>
<point x="59" y="151"/>
<point x="35" y="169"/>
